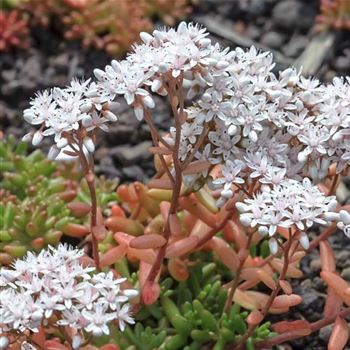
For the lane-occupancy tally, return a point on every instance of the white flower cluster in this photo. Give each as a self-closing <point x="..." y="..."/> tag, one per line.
<point x="260" y="127"/>
<point x="290" y="204"/>
<point x="63" y="112"/>
<point x="55" y="283"/>
<point x="258" y="124"/>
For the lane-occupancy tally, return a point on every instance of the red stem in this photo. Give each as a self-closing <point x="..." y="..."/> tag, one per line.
<point x="315" y="326"/>
<point x="272" y="297"/>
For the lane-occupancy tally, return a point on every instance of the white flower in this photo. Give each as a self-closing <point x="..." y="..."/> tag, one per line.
<point x="124" y="316"/>
<point x="98" y="318"/>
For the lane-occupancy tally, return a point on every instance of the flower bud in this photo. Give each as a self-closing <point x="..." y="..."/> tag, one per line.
<point x="263" y="230"/>
<point x="163" y="67"/>
<point x="146" y="37"/>
<point x="4" y="342"/>
<point x="156" y="85"/>
<point x="159" y="35"/>
<point x="138" y="110"/>
<point x="330" y="216"/>
<point x="227" y="194"/>
<point x="37" y="315"/>
<point x="62" y="142"/>
<point x="304" y="241"/>
<point x="232" y="130"/>
<point x="302" y="157"/>
<point x="273" y="246"/>
<point x="85" y="107"/>
<point x="149" y="102"/>
<point x="86" y="121"/>
<point x="89" y="144"/>
<point x="182" y="28"/>
<point x="222" y="64"/>
<point x="28" y="116"/>
<point x="110" y="116"/>
<point x="53" y="152"/>
<point x="206" y="97"/>
<point x="345" y="216"/>
<point x="241" y="207"/>
<point x="130" y="293"/>
<point x="37" y="138"/>
<point x="76" y="341"/>
<point x="27" y="137"/>
<point x="245" y="220"/>
<point x="99" y="74"/>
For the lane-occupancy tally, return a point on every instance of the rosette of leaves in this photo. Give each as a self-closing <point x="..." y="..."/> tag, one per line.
<point x="109" y="25"/>
<point x="39" y="202"/>
<point x="13" y="30"/>
<point x="334" y="14"/>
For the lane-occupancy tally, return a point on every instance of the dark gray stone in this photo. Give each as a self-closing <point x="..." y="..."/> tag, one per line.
<point x="134" y="172"/>
<point x="346" y="274"/>
<point x="295" y="46"/>
<point x="342" y="63"/>
<point x="325" y="332"/>
<point x="273" y="39"/>
<point x="128" y="155"/>
<point x="293" y="14"/>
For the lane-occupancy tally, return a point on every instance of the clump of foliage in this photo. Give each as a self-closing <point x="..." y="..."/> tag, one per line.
<point x="13" y="30"/>
<point x="40" y="202"/>
<point x="110" y="25"/>
<point x="334" y="14"/>
<point x="242" y="179"/>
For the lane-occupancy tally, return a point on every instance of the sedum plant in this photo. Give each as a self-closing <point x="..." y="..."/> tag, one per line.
<point x="249" y="169"/>
<point x="334" y="14"/>
<point x="109" y="25"/>
<point x="14" y="32"/>
<point x="40" y="201"/>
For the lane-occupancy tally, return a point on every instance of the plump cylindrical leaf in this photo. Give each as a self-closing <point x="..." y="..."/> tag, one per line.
<point x="339" y="336"/>
<point x="148" y="241"/>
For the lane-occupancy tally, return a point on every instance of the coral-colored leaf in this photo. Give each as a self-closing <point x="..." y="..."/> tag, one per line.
<point x="339" y="336"/>
<point x="181" y="247"/>
<point x="284" y="301"/>
<point x="150" y="292"/>
<point x="75" y="230"/>
<point x="117" y="211"/>
<point x="146" y="255"/>
<point x="286" y="287"/>
<point x="113" y="255"/>
<point x="226" y="254"/>
<point x="54" y="345"/>
<point x="333" y="303"/>
<point x="338" y="284"/>
<point x="287" y="326"/>
<point x="148" y="241"/>
<point x="327" y="257"/>
<point x="79" y="209"/>
<point x="234" y="233"/>
<point x="129" y="226"/>
<point x="255" y="317"/>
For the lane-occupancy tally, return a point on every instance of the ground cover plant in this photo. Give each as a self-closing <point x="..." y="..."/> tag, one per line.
<point x="108" y="25"/>
<point x="204" y="253"/>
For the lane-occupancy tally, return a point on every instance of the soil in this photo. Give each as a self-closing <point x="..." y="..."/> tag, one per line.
<point x="285" y="27"/>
